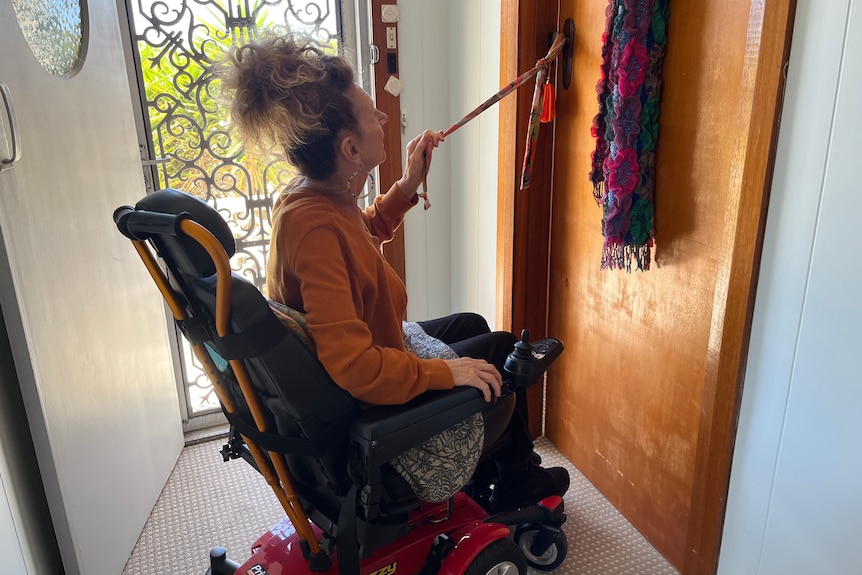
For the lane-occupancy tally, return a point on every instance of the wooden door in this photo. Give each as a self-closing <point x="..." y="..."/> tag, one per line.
<point x="524" y="215"/>
<point x="644" y="399"/>
<point x="85" y="322"/>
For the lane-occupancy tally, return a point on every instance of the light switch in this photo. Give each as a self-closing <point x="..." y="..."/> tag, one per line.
<point x="391" y="39"/>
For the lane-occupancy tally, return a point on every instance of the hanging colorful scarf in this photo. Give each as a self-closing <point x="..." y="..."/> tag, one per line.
<point x="626" y="129"/>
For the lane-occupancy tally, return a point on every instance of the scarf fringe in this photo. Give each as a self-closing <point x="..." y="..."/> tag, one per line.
<point x="619" y="256"/>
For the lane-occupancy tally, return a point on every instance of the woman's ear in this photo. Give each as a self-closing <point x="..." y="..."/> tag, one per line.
<point x="349" y="148"/>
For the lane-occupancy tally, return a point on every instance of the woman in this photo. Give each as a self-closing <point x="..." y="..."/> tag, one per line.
<point x="325" y="257"/>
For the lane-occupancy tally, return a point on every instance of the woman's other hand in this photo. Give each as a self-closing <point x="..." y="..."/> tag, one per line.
<point x="476" y="373"/>
<point x="417" y="166"/>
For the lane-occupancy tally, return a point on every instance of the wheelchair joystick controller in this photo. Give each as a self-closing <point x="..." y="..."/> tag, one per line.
<point x="529" y="361"/>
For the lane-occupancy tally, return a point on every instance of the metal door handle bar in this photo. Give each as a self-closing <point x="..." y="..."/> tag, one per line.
<point x="13" y="128"/>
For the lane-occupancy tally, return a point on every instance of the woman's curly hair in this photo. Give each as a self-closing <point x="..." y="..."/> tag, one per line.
<point x="287" y="92"/>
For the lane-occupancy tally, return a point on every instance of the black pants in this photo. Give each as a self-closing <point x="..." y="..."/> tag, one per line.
<point x="468" y="335"/>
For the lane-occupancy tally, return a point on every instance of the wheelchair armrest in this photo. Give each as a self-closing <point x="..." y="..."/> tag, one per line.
<point x="384" y="431"/>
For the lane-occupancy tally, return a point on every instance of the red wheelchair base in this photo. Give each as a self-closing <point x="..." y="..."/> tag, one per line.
<point x="447" y="542"/>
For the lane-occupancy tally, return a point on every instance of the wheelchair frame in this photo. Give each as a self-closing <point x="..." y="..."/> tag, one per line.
<point x="449" y="537"/>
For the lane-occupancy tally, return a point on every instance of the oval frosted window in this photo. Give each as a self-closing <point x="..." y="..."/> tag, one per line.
<point x="54" y="30"/>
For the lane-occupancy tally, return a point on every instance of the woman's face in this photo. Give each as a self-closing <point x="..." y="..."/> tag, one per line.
<point x="370" y="121"/>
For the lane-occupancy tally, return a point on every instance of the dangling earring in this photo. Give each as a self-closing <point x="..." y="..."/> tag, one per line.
<point x="350" y="183"/>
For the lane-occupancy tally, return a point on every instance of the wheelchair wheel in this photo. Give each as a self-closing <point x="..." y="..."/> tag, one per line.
<point x="502" y="557"/>
<point x="550" y="559"/>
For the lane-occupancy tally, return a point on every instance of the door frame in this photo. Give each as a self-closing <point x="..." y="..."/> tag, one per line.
<point x="524" y="216"/>
<point x="524" y="219"/>
<point x="390" y="170"/>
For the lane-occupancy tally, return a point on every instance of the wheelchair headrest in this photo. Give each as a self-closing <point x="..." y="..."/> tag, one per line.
<point x="186" y="253"/>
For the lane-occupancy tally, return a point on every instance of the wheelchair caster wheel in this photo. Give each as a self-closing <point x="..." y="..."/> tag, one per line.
<point x="546" y="559"/>
<point x="220" y="564"/>
<point x="502" y="557"/>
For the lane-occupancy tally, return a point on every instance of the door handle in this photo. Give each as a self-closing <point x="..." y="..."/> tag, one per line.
<point x="13" y="128"/>
<point x="568" y="52"/>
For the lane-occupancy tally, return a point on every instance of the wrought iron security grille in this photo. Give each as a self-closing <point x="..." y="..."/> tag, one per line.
<point x="194" y="149"/>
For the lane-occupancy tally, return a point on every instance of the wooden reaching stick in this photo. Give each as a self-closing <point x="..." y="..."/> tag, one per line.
<point x="541" y="68"/>
<point x="541" y="64"/>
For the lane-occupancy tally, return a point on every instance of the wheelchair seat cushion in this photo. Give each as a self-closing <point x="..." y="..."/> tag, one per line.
<point x="442" y="465"/>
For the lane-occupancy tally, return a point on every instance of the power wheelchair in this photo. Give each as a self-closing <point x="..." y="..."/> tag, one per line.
<point x="324" y="456"/>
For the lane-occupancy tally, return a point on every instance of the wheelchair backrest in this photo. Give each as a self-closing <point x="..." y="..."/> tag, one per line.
<point x="300" y="400"/>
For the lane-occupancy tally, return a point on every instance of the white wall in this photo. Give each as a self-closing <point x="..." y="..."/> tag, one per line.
<point x="795" y="504"/>
<point x="10" y="547"/>
<point x="24" y="518"/>
<point x="450" y="62"/>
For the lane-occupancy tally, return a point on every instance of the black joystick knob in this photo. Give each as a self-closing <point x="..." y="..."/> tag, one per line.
<point x="523" y="349"/>
<point x="529" y="361"/>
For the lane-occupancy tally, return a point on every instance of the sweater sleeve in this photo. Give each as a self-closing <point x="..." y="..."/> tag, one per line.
<point x="387" y="212"/>
<point x="371" y="373"/>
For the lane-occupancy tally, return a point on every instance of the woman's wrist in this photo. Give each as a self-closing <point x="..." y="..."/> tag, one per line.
<point x="407" y="191"/>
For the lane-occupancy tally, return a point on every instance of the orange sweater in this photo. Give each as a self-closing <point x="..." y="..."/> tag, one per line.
<point x="325" y="261"/>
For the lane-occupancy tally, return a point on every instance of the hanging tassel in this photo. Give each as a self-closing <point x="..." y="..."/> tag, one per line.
<point x="549" y="103"/>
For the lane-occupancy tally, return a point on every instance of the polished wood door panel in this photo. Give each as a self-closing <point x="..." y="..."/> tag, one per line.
<point x="625" y="402"/>
<point x="637" y="402"/>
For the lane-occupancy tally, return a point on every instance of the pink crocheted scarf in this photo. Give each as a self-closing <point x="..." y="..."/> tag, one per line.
<point x="626" y="129"/>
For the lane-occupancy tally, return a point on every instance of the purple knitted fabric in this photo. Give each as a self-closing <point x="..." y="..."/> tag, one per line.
<point x="626" y="129"/>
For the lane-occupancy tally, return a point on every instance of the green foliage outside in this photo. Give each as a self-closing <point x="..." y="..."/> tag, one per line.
<point x="187" y="122"/>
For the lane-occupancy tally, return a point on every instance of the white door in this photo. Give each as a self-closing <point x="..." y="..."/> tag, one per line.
<point x="86" y="324"/>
